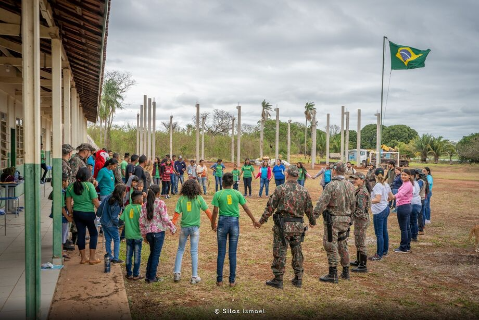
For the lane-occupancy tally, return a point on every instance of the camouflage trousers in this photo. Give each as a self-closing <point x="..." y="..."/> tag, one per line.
<point x="360" y="227"/>
<point x="337" y="251"/>
<point x="279" y="254"/>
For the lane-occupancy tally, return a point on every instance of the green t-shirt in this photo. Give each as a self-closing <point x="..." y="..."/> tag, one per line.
<point x="123" y="167"/>
<point x="43" y="156"/>
<point x="131" y="217"/>
<point x="302" y="174"/>
<point x="83" y="202"/>
<point x="227" y="200"/>
<point x="190" y="210"/>
<point x="236" y="174"/>
<point x="157" y="173"/>
<point x="219" y="170"/>
<point x="247" y="171"/>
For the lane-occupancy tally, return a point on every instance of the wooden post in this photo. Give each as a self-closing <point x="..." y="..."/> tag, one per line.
<point x="358" y="141"/>
<point x="276" y="153"/>
<point x="313" y="138"/>
<point x="238" y="139"/>
<point x="342" y="133"/>
<point x="346" y="146"/>
<point x="327" y="138"/>
<point x="289" y="141"/>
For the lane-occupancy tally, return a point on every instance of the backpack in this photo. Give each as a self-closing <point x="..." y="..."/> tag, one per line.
<point x="327" y="176"/>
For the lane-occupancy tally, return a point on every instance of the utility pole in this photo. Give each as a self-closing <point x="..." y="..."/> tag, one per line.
<point x="342" y="133"/>
<point x="313" y="138"/>
<point x="197" y="132"/>
<point x="346" y="146"/>
<point x="140" y="151"/>
<point x="289" y="141"/>
<point x="153" y="134"/>
<point x="203" y="119"/>
<point x="327" y="138"/>
<point x="233" y="140"/>
<point x="358" y="141"/>
<point x="145" y="119"/>
<point x="277" y="134"/>
<point x="238" y="139"/>
<point x="137" y="133"/>
<point x="378" y="141"/>
<point x="171" y="137"/>
<point x="148" y="134"/>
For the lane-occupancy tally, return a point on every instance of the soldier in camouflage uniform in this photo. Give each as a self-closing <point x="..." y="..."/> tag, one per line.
<point x="339" y="201"/>
<point x="370" y="176"/>
<point x="290" y="201"/>
<point x="78" y="160"/>
<point x="66" y="155"/>
<point x="361" y="221"/>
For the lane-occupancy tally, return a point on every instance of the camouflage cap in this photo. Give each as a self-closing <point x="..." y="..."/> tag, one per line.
<point x="340" y="167"/>
<point x="66" y="148"/>
<point x="292" y="171"/>
<point x="85" y="146"/>
<point x="359" y="175"/>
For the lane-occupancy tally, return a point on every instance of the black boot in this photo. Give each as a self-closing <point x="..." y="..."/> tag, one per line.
<point x="345" y="273"/>
<point x="362" y="264"/>
<point x="355" y="263"/>
<point x="297" y="282"/>
<point x="331" y="277"/>
<point x="276" y="282"/>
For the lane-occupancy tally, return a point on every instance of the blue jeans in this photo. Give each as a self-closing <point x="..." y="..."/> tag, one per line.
<point x="204" y="183"/>
<point x="84" y="220"/>
<point x="112" y="234"/>
<point x="155" y="240"/>
<point x="404" y="218"/>
<point x="380" y="221"/>
<point x="263" y="183"/>
<point x="219" y="183"/>
<point x="416" y="211"/>
<point x="235" y="185"/>
<point x="174" y="183"/>
<point x="421" y="217"/>
<point x="247" y="185"/>
<point x="228" y="227"/>
<point x="279" y="181"/>
<point x="301" y="182"/>
<point x="133" y="247"/>
<point x="427" y="206"/>
<point x="194" y="234"/>
<point x="181" y="177"/>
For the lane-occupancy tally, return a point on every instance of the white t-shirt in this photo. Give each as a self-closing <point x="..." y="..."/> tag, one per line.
<point x="383" y="190"/>
<point x="416" y="198"/>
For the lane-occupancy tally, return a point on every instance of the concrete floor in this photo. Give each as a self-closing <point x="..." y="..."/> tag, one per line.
<point x="12" y="262"/>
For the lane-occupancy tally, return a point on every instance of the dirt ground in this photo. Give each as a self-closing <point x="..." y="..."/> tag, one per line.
<point x="439" y="279"/>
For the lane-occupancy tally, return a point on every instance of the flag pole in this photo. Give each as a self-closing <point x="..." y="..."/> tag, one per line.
<point x="379" y="129"/>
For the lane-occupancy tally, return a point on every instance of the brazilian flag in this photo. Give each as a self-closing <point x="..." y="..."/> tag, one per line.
<point x="404" y="57"/>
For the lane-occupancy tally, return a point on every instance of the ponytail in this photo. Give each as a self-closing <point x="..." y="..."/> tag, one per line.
<point x="150" y="201"/>
<point x="83" y="175"/>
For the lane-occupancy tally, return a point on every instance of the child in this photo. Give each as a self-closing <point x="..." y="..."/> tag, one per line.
<point x="236" y="174"/>
<point x="218" y="168"/>
<point x="302" y="174"/>
<point x="66" y="218"/>
<point x="226" y="204"/>
<point x="202" y="175"/>
<point x="130" y="187"/>
<point x="189" y="205"/>
<point x="265" y="174"/>
<point x="168" y="170"/>
<point x="131" y="217"/>
<point x="154" y="221"/>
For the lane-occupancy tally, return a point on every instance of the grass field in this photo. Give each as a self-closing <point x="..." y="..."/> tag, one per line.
<point x="439" y="279"/>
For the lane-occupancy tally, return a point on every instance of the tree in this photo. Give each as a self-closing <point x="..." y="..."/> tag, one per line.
<point x="115" y="86"/>
<point x="308" y="114"/>
<point x="422" y="145"/>
<point x="368" y="136"/>
<point x="392" y="135"/>
<point x="468" y="148"/>
<point x="167" y="126"/>
<point x="265" y="108"/>
<point x="437" y="147"/>
<point x="406" y="149"/>
<point x="450" y="150"/>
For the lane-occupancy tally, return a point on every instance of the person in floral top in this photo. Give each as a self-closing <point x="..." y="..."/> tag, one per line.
<point x="154" y="221"/>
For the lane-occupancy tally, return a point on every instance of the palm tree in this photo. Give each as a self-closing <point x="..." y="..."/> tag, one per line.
<point x="111" y="100"/>
<point x="437" y="147"/>
<point x="265" y="108"/>
<point x="308" y="114"/>
<point x="451" y="150"/>
<point x="423" y="146"/>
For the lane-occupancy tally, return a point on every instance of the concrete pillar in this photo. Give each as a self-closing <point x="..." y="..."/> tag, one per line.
<point x="145" y="122"/>
<point x="346" y="146"/>
<point x="197" y="132"/>
<point x="74" y="111"/>
<point x="137" y="133"/>
<point x="85" y="130"/>
<point x="378" y="140"/>
<point x="31" y="139"/>
<point x="358" y="140"/>
<point x="238" y="139"/>
<point x="148" y="133"/>
<point x="327" y="138"/>
<point x="313" y="138"/>
<point x="289" y="142"/>
<point x="153" y="134"/>
<point x="276" y="152"/>
<point x="142" y="145"/>
<point x="67" y="129"/>
<point x="233" y="140"/>
<point x="171" y="137"/>
<point x="342" y="133"/>
<point x="80" y="122"/>
<point x="203" y="119"/>
<point x="48" y="138"/>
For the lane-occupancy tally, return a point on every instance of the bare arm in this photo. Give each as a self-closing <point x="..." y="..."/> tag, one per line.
<point x="376" y="199"/>
<point x="96" y="202"/>
<point x="213" y="218"/>
<point x="69" y="204"/>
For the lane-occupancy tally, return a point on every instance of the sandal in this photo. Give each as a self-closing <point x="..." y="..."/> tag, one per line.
<point x="85" y="262"/>
<point x="92" y="262"/>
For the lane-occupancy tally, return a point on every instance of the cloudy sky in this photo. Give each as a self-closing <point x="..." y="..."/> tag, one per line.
<point x="220" y="53"/>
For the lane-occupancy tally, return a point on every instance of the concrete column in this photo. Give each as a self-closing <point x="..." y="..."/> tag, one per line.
<point x="313" y="138"/>
<point x="74" y="111"/>
<point x="145" y="122"/>
<point x="238" y="139"/>
<point x="276" y="153"/>
<point x="67" y="129"/>
<point x="48" y="138"/>
<point x="148" y="133"/>
<point x="233" y="140"/>
<point x="358" y="141"/>
<point x="11" y="118"/>
<point x="197" y="132"/>
<point x="203" y="119"/>
<point x="137" y="133"/>
<point x="346" y="146"/>
<point x="171" y="137"/>
<point x="327" y="138"/>
<point x="85" y="129"/>
<point x="289" y="142"/>
<point x="31" y="139"/>
<point x="57" y="148"/>
<point x="142" y="145"/>
<point x="342" y="133"/>
<point x="80" y="124"/>
<point x="153" y="134"/>
<point x="378" y="140"/>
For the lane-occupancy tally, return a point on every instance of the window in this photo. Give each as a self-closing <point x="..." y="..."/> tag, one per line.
<point x="4" y="140"/>
<point x="19" y="131"/>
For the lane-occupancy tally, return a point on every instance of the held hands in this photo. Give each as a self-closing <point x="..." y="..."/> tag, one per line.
<point x="256" y="224"/>
<point x="213" y="226"/>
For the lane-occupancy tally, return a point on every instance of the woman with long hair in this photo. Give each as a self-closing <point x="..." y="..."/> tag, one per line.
<point x="416" y="206"/>
<point x="110" y="209"/>
<point x="303" y="173"/>
<point x="106" y="178"/>
<point x="247" y="171"/>
<point x="278" y="171"/>
<point x="168" y="170"/>
<point x="427" y="202"/>
<point x="404" y="208"/>
<point x="202" y="174"/>
<point x="265" y="174"/>
<point x="156" y="171"/>
<point x="189" y="205"/>
<point x="82" y="200"/>
<point x="148" y="173"/>
<point x="154" y="221"/>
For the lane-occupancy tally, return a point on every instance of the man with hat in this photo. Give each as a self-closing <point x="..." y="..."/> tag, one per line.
<point x="336" y="204"/>
<point x="84" y="150"/>
<point x="290" y="201"/>
<point x="361" y="220"/>
<point x="66" y="155"/>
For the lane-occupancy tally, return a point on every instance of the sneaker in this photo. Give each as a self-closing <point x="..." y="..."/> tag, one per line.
<point x="117" y="261"/>
<point x="385" y="254"/>
<point x="177" y="277"/>
<point x="428" y="221"/>
<point x="375" y="258"/>
<point x="154" y="280"/>
<point x="400" y="251"/>
<point x="195" y="280"/>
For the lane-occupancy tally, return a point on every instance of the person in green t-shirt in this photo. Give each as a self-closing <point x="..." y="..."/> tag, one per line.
<point x="303" y="173"/>
<point x="247" y="171"/>
<point x="82" y="200"/>
<point x="226" y="202"/>
<point x="218" y="168"/>
<point x="236" y="175"/>
<point x="189" y="205"/>
<point x="156" y="171"/>
<point x="43" y="165"/>
<point x="134" y="239"/>
<point x="123" y="166"/>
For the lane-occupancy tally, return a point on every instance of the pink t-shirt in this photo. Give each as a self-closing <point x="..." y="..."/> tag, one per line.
<point x="404" y="195"/>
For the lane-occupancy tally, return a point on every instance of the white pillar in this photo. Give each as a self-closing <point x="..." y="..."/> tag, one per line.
<point x="145" y="122"/>
<point x="74" y="110"/>
<point x="137" y="133"/>
<point x="197" y="132"/>
<point x="48" y="135"/>
<point x="153" y="134"/>
<point x="238" y="139"/>
<point x="80" y="122"/>
<point x="378" y="140"/>
<point x="342" y="133"/>
<point x="276" y="153"/>
<point x="140" y="149"/>
<point x="233" y="140"/>
<point x="203" y="119"/>
<point x="346" y="146"/>
<point x="148" y="134"/>
<point x="327" y="138"/>
<point x="67" y="129"/>
<point x="171" y="137"/>
<point x="358" y="141"/>
<point x="313" y="138"/>
<point x="289" y="141"/>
